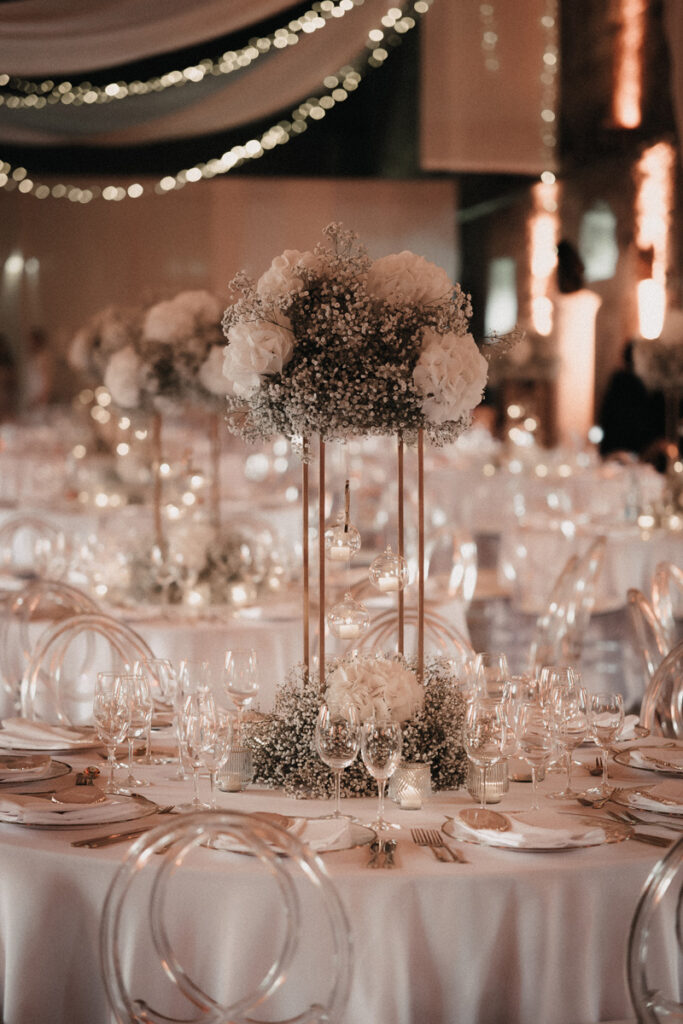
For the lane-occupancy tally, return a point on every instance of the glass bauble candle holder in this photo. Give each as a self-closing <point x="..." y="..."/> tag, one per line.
<point x="342" y="541"/>
<point x="389" y="572"/>
<point x="348" y="619"/>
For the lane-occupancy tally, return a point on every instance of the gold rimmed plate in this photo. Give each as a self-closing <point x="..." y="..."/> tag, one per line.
<point x="48" y="770"/>
<point x="116" y="809"/>
<point x="667" y="759"/>
<point x="660" y="798"/>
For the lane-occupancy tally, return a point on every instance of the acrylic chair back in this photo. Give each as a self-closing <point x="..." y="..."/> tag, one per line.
<point x="440" y="636"/>
<point x="667" y="597"/>
<point x="25" y="618"/>
<point x="661" y="710"/>
<point x="201" y="941"/>
<point x="31" y="546"/>
<point x="648" y="637"/>
<point x="655" y="945"/>
<point x="58" y="683"/>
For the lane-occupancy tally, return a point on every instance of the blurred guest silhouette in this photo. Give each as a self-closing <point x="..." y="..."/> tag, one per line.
<point x="630" y="416"/>
<point x="40" y="370"/>
<point x="8" y="380"/>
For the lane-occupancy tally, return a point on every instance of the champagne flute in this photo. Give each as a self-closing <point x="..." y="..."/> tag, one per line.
<point x="535" y="741"/>
<point x="492" y="674"/>
<point x="192" y="675"/>
<point x="163" y="682"/>
<point x="570" y="723"/>
<point x="485" y="736"/>
<point x="240" y="678"/>
<point x="337" y="740"/>
<point x="380" y="746"/>
<point x="136" y="688"/>
<point x="111" y="714"/>
<point x="605" y="719"/>
<point x="207" y="735"/>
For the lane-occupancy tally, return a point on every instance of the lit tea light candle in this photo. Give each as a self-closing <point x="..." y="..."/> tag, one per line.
<point x="349" y="630"/>
<point x="232" y="782"/>
<point x="339" y="552"/>
<point x="388" y="583"/>
<point x="410" y="799"/>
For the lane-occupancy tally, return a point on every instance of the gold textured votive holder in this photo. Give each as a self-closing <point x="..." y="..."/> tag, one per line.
<point x="497" y="781"/>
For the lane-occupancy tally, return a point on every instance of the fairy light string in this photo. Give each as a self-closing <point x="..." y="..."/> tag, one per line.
<point x="395" y="23"/>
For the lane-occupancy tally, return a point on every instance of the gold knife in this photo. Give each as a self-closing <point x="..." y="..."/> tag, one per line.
<point x="111" y="839"/>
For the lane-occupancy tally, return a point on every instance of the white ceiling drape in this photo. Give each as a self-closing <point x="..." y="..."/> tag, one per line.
<point x="277" y="80"/>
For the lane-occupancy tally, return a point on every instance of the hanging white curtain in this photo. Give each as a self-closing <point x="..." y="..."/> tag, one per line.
<point x="275" y="81"/>
<point x="475" y="119"/>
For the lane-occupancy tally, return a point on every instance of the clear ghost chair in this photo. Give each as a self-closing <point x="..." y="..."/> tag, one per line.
<point x="667" y="596"/>
<point x="31" y="546"/>
<point x="561" y="629"/>
<point x="215" y="961"/>
<point x="34" y="609"/>
<point x="661" y="710"/>
<point x="648" y="636"/>
<point x="57" y="685"/>
<point x="440" y="636"/>
<point x="655" y="944"/>
<point x="451" y="564"/>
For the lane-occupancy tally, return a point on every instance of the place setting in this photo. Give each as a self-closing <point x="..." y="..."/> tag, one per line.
<point x="24" y="769"/>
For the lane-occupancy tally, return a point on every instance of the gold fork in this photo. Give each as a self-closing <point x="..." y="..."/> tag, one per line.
<point x="432" y="838"/>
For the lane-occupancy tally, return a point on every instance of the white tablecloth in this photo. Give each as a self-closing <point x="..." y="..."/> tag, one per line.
<point x="520" y="938"/>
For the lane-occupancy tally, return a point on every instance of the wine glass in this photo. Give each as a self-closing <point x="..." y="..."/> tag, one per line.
<point x="485" y="735"/>
<point x="208" y="733"/>
<point x="136" y="688"/>
<point x="570" y="722"/>
<point x="605" y="719"/>
<point x="337" y="740"/>
<point x="380" y="746"/>
<point x="240" y="678"/>
<point x="535" y="740"/>
<point x="163" y="683"/>
<point x="111" y="714"/>
<point x="192" y="675"/>
<point x="492" y="674"/>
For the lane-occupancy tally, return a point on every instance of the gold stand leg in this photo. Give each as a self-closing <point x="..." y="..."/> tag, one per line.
<point x="215" y="493"/>
<point x="304" y="546"/>
<point x="420" y="556"/>
<point x="401" y="544"/>
<point x="321" y="565"/>
<point x="157" y="493"/>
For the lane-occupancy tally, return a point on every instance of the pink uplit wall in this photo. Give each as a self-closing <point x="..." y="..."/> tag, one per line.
<point x="61" y="262"/>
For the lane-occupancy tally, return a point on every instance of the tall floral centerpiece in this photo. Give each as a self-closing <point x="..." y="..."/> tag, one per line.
<point x="331" y="343"/>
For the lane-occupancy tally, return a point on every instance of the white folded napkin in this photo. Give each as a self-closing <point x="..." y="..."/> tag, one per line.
<point x="665" y="797"/>
<point x="544" y="830"/>
<point x="319" y="834"/>
<point x="22" y="809"/>
<point x="628" y="729"/>
<point x="24" y="734"/>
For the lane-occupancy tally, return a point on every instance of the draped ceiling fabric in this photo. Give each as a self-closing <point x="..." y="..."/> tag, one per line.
<point x="36" y="39"/>
<point x="474" y="120"/>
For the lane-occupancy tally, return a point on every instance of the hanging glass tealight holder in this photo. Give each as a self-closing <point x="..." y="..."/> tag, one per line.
<point x="348" y="619"/>
<point x="342" y="541"/>
<point x="389" y="572"/>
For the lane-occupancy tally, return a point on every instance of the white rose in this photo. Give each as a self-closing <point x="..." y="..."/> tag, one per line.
<point x="404" y="278"/>
<point x="124" y="377"/>
<point x="181" y="317"/>
<point x="255" y="350"/>
<point x="211" y="374"/>
<point x="377" y="687"/>
<point x="450" y="375"/>
<point x="282" y="278"/>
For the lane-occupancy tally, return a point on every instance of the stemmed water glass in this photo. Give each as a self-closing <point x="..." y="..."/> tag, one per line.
<point x="605" y="719"/>
<point x="136" y="688"/>
<point x="111" y="714"/>
<point x="337" y="740"/>
<point x="380" y="746"/>
<point x="207" y="733"/>
<point x="163" y="683"/>
<point x="485" y="736"/>
<point x="192" y="675"/>
<point x="240" y="677"/>
<point x="492" y="674"/>
<point x="535" y="740"/>
<point x="570" y="722"/>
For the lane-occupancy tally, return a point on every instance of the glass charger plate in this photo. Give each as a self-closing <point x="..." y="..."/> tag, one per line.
<point x="612" y="832"/>
<point x="658" y="798"/>
<point x="665" y="760"/>
<point x="54" y="770"/>
<point x="357" y="835"/>
<point x="120" y="809"/>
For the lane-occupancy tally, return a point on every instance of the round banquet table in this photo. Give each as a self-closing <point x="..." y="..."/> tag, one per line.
<point x="510" y="936"/>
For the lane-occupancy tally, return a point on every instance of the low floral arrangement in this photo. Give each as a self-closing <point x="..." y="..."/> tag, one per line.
<point x="149" y="358"/>
<point x="431" y="714"/>
<point x="330" y="342"/>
